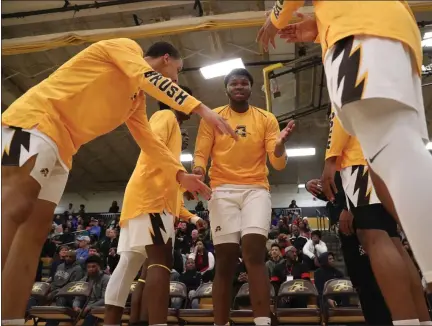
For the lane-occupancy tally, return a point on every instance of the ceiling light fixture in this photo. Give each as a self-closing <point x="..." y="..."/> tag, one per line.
<point x="429" y="146"/>
<point x="186" y="158"/>
<point x="301" y="186"/>
<point x="222" y="68"/>
<point x="293" y="152"/>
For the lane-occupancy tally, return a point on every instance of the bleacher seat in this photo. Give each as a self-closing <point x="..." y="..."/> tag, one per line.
<point x="40" y="291"/>
<point x="99" y="312"/>
<point x="201" y="316"/>
<point x="177" y="290"/>
<point x="71" y="290"/>
<point x="300" y="289"/>
<point x="241" y="312"/>
<point x="341" y="288"/>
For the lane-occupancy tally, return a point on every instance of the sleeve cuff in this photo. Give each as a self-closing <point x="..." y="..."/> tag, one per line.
<point x="194" y="219"/>
<point x="276" y="23"/>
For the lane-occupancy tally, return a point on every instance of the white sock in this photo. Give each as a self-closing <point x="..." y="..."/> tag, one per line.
<point x="406" y="322"/>
<point x="13" y="322"/>
<point x="262" y="321"/>
<point x="426" y="322"/>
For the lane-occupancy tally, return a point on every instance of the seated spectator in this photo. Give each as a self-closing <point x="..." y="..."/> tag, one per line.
<point x="67" y="236"/>
<point x="291" y="270"/>
<point x="110" y="241"/>
<point x="94" y="228"/>
<point x="93" y="251"/>
<point x="81" y="231"/>
<point x="67" y="272"/>
<point x="58" y="220"/>
<point x="83" y="248"/>
<point x="58" y="259"/>
<point x="326" y="272"/>
<point x="112" y="260"/>
<point x="99" y="280"/>
<point x="283" y="227"/>
<point x="313" y="249"/>
<point x="275" y="258"/>
<point x="305" y="231"/>
<point x="114" y="207"/>
<point x="204" y="234"/>
<point x="193" y="241"/>
<point x="298" y="241"/>
<point x="283" y="242"/>
<point x="183" y="240"/>
<point x="204" y="261"/>
<point x="49" y="248"/>
<point x="103" y="229"/>
<point x="241" y="277"/>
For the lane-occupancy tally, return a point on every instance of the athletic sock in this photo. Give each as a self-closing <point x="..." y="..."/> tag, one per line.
<point x="13" y="322"/>
<point x="262" y="321"/>
<point x="427" y="322"/>
<point x="406" y="322"/>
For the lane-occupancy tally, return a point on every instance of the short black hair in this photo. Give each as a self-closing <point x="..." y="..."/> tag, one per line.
<point x="94" y="259"/>
<point x="163" y="106"/>
<point x="159" y="49"/>
<point x="238" y="72"/>
<point x="317" y="233"/>
<point x="275" y="245"/>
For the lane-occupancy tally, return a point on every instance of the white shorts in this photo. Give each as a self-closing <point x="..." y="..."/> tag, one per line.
<point x="236" y="210"/>
<point x="379" y="76"/>
<point x="358" y="187"/>
<point x="146" y="230"/>
<point x="19" y="145"/>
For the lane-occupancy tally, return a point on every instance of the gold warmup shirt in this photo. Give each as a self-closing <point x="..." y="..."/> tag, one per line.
<point x="145" y="193"/>
<point x="345" y="147"/>
<point x="241" y="162"/>
<point x="95" y="92"/>
<point x="338" y="19"/>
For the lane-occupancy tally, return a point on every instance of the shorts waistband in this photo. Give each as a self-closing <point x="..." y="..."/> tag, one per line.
<point x="238" y="187"/>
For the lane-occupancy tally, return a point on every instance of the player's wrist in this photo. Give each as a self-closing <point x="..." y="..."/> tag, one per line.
<point x="194" y="219"/>
<point x="180" y="176"/>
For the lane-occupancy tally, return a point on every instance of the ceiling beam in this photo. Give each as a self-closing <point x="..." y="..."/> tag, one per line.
<point x="73" y="14"/>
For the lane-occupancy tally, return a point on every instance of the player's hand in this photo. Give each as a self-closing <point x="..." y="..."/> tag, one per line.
<point x="199" y="171"/>
<point x="346" y="222"/>
<point x="193" y="183"/>
<point x="215" y="120"/>
<point x="327" y="179"/>
<point x="314" y="187"/>
<point x="199" y="223"/>
<point x="286" y="132"/>
<point x="267" y="34"/>
<point x="304" y="31"/>
<point x="188" y="194"/>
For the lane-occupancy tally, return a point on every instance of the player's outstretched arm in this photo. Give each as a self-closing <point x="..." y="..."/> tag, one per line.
<point x="203" y="146"/>
<point x="275" y="142"/>
<point x="160" y="154"/>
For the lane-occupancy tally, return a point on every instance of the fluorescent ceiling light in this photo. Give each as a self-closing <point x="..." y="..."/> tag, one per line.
<point x="186" y="158"/>
<point x="427" y="40"/>
<point x="221" y="69"/>
<point x="429" y="146"/>
<point x="301" y="185"/>
<point x="292" y="152"/>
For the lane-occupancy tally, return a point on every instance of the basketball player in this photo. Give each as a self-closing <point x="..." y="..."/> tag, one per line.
<point x="240" y="207"/>
<point x="375" y="227"/>
<point x="357" y="262"/>
<point x="147" y="227"/>
<point x="91" y="94"/>
<point x="373" y="56"/>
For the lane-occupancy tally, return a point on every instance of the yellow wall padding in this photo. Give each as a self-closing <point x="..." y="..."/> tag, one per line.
<point x="172" y="27"/>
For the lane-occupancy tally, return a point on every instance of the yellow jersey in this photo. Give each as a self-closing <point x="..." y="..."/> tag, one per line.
<point x="94" y="93"/>
<point x="145" y="193"/>
<point x="338" y="19"/>
<point x="345" y="147"/>
<point x="241" y="162"/>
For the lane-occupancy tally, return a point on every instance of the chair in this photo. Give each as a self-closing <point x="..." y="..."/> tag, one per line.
<point x="341" y="288"/>
<point x="241" y="312"/>
<point x="201" y="316"/>
<point x="71" y="290"/>
<point x="177" y="290"/>
<point x="40" y="291"/>
<point x="99" y="312"/>
<point x="302" y="290"/>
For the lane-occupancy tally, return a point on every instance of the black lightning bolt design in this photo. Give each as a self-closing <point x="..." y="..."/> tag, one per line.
<point x="361" y="185"/>
<point x="349" y="68"/>
<point x="157" y="226"/>
<point x="20" y="138"/>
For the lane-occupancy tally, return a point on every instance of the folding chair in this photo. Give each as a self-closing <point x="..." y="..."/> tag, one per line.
<point x="201" y="316"/>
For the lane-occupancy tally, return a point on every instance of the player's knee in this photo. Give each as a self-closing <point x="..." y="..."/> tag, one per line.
<point x="160" y="255"/>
